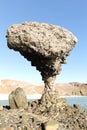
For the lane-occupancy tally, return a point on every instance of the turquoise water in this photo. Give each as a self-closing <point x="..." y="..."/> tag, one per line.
<point x="82" y="101"/>
<point x="4" y="102"/>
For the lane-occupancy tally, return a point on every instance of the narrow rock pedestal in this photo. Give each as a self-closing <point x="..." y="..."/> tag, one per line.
<point x="49" y="84"/>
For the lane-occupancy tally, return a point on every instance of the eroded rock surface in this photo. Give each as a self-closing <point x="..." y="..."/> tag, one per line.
<point x="18" y="99"/>
<point x="45" y="45"/>
<point x="49" y="105"/>
<point x="69" y="118"/>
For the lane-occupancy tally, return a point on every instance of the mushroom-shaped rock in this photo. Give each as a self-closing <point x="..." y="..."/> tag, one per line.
<point x="45" y="45"/>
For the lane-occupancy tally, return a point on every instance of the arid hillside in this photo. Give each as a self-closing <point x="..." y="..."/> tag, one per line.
<point x="64" y="89"/>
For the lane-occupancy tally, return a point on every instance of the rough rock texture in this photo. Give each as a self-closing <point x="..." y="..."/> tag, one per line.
<point x="37" y="114"/>
<point x="45" y="45"/>
<point x="49" y="104"/>
<point x="17" y="99"/>
<point x="69" y="118"/>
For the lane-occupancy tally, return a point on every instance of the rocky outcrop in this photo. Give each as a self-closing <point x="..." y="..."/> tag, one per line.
<point x="18" y="99"/>
<point x="71" y="89"/>
<point x="79" y="89"/>
<point x="68" y="118"/>
<point x="49" y="104"/>
<point x="50" y="112"/>
<point x="45" y="45"/>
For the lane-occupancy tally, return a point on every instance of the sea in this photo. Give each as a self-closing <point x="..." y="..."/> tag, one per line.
<point x="80" y="100"/>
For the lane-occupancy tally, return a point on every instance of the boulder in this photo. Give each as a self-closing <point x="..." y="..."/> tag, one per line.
<point x="45" y="45"/>
<point x="17" y="99"/>
<point x="51" y="125"/>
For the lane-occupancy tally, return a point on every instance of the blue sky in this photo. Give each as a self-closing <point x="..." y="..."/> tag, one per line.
<point x="70" y="14"/>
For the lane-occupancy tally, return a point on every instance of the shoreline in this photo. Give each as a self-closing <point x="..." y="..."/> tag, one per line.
<point x="35" y="96"/>
<point x="30" y="97"/>
<point x="71" y="96"/>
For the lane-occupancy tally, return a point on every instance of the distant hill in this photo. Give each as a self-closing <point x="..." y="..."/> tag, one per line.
<point x="64" y="89"/>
